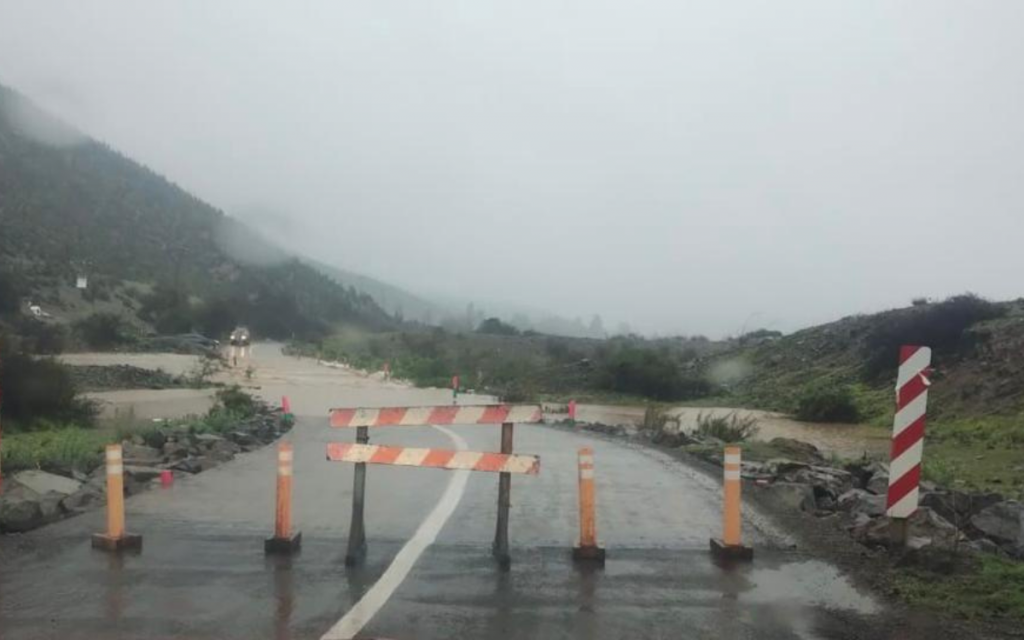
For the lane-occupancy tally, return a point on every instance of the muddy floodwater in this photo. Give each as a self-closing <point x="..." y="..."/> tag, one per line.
<point x="271" y="374"/>
<point x="847" y="440"/>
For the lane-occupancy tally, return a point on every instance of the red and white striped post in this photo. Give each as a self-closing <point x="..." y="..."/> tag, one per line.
<point x="907" y="439"/>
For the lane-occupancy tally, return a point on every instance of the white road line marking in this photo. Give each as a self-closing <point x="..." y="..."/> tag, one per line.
<point x="378" y="595"/>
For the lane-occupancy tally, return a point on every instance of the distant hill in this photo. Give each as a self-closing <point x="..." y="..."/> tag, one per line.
<point x="977" y="347"/>
<point x="70" y="205"/>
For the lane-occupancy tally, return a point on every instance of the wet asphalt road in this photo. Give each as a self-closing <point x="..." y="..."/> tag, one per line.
<point x="202" y="572"/>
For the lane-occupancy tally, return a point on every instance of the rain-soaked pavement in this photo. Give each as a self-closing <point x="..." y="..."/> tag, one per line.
<point x="202" y="572"/>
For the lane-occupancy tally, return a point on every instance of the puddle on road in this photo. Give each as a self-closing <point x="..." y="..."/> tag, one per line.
<point x="811" y="582"/>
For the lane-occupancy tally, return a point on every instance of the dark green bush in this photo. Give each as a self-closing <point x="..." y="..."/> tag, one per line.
<point x="649" y="373"/>
<point x="827" y="403"/>
<point x="236" y="402"/>
<point x="103" y="330"/>
<point x="942" y="326"/>
<point x="40" y="389"/>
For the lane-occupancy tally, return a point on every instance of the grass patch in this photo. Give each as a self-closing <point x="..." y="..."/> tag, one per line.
<point x="730" y="428"/>
<point x="994" y="590"/>
<point x="57" y="450"/>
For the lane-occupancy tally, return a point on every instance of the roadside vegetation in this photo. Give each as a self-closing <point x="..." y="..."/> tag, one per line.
<point x="526" y="366"/>
<point x="990" y="587"/>
<point x="78" y="446"/>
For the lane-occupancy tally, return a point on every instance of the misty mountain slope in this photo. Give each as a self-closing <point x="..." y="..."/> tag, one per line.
<point x="391" y="298"/>
<point x="71" y="205"/>
<point x="977" y="347"/>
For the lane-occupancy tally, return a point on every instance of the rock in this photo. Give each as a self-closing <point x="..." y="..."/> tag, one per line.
<point x="50" y="506"/>
<point x="859" y="501"/>
<point x="140" y="454"/>
<point x="175" y="450"/>
<point x="89" y="496"/>
<point x="797" y="450"/>
<point x="242" y="439"/>
<point x="984" y="545"/>
<point x="879" y="484"/>
<point x="958" y="506"/>
<point x="79" y="476"/>
<point x="194" y="464"/>
<point x="925" y="529"/>
<point x="825" y="503"/>
<point x="42" y="482"/>
<point x="206" y="439"/>
<point x="140" y="473"/>
<point x="755" y="471"/>
<point x="793" y="495"/>
<point x="781" y="466"/>
<point x="19" y="514"/>
<point x="1003" y="522"/>
<point x="833" y="481"/>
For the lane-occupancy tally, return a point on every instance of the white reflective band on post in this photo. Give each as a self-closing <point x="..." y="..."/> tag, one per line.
<point x="732" y="458"/>
<point x="284" y="455"/>
<point x="284" y="471"/>
<point x="732" y="474"/>
<point x="586" y="474"/>
<point x="114" y="455"/>
<point x="586" y="459"/>
<point x="115" y="469"/>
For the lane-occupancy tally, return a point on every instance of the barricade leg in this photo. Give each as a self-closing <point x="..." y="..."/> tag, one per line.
<point x="730" y="547"/>
<point x="357" y="532"/>
<point x="115" y="538"/>
<point x="283" y="540"/>
<point x="588" y="549"/>
<point x="500" y="546"/>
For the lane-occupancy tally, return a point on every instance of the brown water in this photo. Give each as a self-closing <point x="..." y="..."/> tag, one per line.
<point x="847" y="440"/>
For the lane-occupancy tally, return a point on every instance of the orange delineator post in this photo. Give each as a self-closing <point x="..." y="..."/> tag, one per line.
<point x="731" y="546"/>
<point x="283" y="541"/>
<point x="115" y="538"/>
<point x="588" y="548"/>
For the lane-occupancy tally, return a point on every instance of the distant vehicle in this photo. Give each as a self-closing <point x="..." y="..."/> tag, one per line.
<point x="240" y="337"/>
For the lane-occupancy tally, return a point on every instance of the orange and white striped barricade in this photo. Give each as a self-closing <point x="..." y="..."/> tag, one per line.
<point x="504" y="463"/>
<point x="284" y="541"/>
<point x="730" y="546"/>
<point x="587" y="549"/>
<point x="115" y="538"/>
<point x="912" y="384"/>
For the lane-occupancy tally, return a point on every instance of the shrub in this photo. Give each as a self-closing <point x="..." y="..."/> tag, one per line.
<point x="37" y="389"/>
<point x="729" y="428"/>
<point x="236" y="402"/>
<point x="103" y="330"/>
<point x="41" y="338"/>
<point x="827" y="403"/>
<point x="657" y="418"/>
<point x="649" y="373"/>
<point x="940" y="326"/>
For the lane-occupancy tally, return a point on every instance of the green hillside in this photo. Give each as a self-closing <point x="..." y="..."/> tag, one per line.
<point x="149" y="248"/>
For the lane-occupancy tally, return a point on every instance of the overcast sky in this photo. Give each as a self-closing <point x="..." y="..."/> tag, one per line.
<point x="687" y="167"/>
